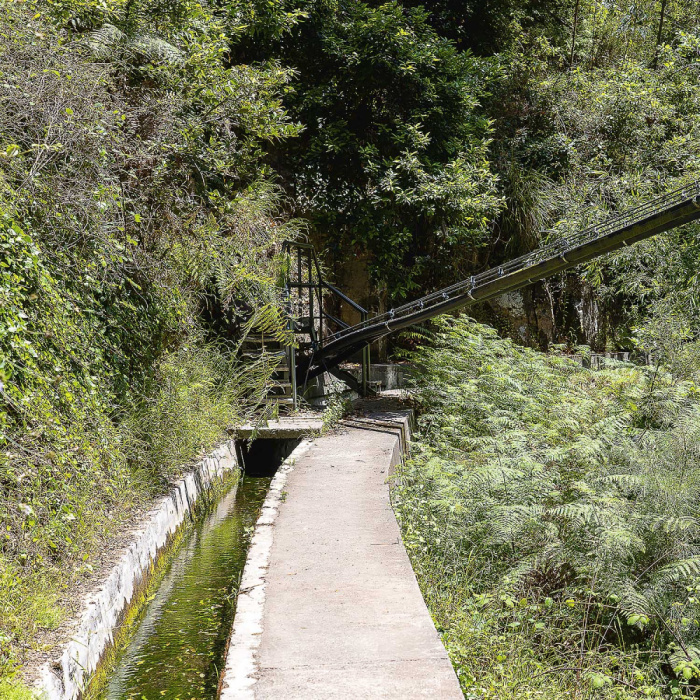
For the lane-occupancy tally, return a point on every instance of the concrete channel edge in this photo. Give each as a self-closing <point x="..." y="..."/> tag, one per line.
<point x="240" y="668"/>
<point x="66" y="678"/>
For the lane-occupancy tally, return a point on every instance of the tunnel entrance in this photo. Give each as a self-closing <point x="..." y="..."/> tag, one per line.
<point x="261" y="458"/>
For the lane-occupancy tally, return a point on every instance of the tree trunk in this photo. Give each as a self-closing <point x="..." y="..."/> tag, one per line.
<point x="591" y="56"/>
<point x="659" y="35"/>
<point x="573" y="34"/>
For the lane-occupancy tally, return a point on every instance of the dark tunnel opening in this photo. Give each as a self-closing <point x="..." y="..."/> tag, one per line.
<point x="261" y="458"/>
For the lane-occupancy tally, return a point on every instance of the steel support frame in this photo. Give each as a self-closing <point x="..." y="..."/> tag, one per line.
<point x="315" y="289"/>
<point x="506" y="278"/>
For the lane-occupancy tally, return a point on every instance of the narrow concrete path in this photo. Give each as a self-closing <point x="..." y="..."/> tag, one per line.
<point x="342" y="615"/>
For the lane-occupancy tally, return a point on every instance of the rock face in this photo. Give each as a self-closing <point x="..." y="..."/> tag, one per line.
<point x="553" y="311"/>
<point x="564" y="309"/>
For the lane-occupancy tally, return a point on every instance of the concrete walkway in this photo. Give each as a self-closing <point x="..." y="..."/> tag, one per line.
<point x="341" y="614"/>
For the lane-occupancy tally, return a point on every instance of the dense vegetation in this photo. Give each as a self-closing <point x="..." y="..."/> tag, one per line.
<point x="153" y="155"/>
<point x="137" y="232"/>
<point x="551" y="513"/>
<point x="444" y="137"/>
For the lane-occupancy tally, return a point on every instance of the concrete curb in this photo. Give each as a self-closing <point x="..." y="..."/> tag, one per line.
<point x="65" y="679"/>
<point x="241" y="666"/>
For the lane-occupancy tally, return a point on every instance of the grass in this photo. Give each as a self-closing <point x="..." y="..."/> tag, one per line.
<point x="15" y="690"/>
<point x="503" y="647"/>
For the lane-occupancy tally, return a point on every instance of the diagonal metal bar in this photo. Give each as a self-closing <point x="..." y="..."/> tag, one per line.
<point x="648" y="219"/>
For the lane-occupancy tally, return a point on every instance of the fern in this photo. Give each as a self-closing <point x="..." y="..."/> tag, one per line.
<point x="493" y="475"/>
<point x="634" y="602"/>
<point x="105" y="41"/>
<point x="583" y="513"/>
<point x="678" y="570"/>
<point x="624" y="482"/>
<point x="270" y="322"/>
<point x="536" y="471"/>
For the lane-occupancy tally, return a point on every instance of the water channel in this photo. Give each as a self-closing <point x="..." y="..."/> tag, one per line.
<point x="178" y="648"/>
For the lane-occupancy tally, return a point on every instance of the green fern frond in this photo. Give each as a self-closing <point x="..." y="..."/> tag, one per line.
<point x="270" y="322"/>
<point x="154" y="50"/>
<point x="508" y="521"/>
<point x="104" y="42"/>
<point x="492" y="476"/>
<point x="678" y="570"/>
<point x="688" y="653"/>
<point x="628" y="482"/>
<point x="585" y="513"/>
<point x="634" y="602"/>
<point x="673" y="524"/>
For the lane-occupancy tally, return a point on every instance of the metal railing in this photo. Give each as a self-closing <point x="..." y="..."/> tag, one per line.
<point x="561" y="247"/>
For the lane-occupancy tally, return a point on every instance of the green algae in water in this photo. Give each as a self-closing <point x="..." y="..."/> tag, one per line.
<point x="178" y="648"/>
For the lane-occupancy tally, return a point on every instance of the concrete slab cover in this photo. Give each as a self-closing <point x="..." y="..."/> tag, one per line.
<point x="340" y="611"/>
<point x="284" y="427"/>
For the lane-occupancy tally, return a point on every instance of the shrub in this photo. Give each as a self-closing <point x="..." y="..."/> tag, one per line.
<point x="137" y="223"/>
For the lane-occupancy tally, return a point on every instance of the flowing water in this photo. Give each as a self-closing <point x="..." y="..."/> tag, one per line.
<point x="178" y="649"/>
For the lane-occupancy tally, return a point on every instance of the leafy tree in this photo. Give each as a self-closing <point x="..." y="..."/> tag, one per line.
<point x="392" y="160"/>
<point x="492" y="26"/>
<point x="575" y="144"/>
